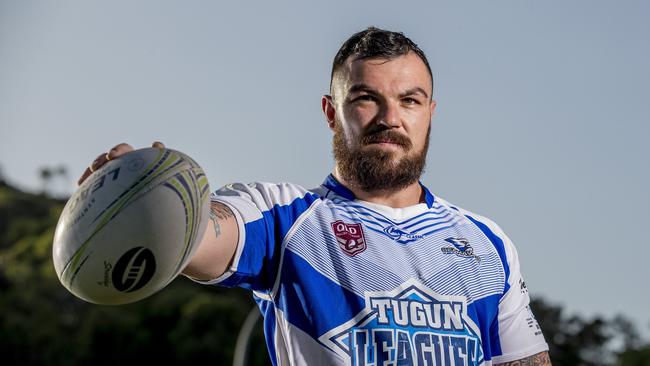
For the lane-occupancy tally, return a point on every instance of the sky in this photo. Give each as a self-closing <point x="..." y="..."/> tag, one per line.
<point x="542" y="119"/>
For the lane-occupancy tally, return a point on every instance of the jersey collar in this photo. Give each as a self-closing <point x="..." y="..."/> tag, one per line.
<point x="332" y="184"/>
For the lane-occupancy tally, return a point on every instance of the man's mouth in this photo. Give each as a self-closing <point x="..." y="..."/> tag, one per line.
<point x="387" y="140"/>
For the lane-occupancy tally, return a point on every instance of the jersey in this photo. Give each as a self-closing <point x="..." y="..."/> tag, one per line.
<point x="340" y="281"/>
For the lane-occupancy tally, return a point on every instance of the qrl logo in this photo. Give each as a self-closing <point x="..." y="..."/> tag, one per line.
<point x="134" y="269"/>
<point x="350" y="237"/>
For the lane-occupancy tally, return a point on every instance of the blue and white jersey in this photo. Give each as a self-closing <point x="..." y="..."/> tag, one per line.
<point x="346" y="282"/>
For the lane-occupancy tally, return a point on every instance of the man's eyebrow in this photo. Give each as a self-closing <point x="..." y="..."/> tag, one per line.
<point x="361" y="87"/>
<point x="416" y="90"/>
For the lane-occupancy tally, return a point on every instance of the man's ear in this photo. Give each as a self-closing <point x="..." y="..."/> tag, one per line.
<point x="432" y="106"/>
<point x="328" y="110"/>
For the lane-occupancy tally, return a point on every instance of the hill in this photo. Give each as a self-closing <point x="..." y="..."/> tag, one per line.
<point x="41" y="323"/>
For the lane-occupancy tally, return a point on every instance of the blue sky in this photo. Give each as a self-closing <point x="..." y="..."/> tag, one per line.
<point x="542" y="121"/>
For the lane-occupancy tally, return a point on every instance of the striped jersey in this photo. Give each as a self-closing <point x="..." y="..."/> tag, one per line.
<point x="341" y="281"/>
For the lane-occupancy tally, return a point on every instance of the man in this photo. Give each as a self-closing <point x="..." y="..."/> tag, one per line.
<point x="371" y="268"/>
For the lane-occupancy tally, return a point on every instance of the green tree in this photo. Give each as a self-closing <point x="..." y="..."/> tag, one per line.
<point x="41" y="323"/>
<point x="635" y="357"/>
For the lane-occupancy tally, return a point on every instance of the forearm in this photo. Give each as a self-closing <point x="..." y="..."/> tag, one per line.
<point x="218" y="246"/>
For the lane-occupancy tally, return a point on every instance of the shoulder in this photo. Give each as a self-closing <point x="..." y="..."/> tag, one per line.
<point x="466" y="213"/>
<point x="477" y="219"/>
<point x="265" y="195"/>
<point x="489" y="228"/>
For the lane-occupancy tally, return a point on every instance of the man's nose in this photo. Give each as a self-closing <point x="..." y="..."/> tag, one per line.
<point x="390" y="115"/>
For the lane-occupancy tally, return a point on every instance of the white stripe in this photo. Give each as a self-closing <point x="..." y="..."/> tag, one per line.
<point x="286" y="238"/>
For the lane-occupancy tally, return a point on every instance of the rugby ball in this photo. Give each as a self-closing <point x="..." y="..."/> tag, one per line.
<point x="132" y="226"/>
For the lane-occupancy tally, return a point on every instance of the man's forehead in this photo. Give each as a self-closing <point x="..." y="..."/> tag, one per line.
<point x="408" y="68"/>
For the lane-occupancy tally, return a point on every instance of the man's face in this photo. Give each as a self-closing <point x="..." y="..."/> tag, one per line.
<point x="380" y="112"/>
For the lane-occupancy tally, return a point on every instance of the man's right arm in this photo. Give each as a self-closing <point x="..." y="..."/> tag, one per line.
<point x="218" y="246"/>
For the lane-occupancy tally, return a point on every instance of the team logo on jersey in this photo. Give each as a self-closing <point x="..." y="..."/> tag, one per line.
<point x="461" y="248"/>
<point x="411" y="325"/>
<point x="350" y="237"/>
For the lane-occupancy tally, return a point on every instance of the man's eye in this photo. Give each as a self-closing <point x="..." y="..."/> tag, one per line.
<point x="410" y="101"/>
<point x="364" y="98"/>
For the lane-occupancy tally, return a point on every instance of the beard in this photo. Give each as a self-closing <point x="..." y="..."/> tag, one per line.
<point x="375" y="170"/>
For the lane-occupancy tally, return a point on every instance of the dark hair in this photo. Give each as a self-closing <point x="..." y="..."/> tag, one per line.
<point x="376" y="43"/>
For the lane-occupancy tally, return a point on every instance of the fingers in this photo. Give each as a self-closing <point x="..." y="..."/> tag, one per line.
<point x="100" y="160"/>
<point x="114" y="153"/>
<point x="85" y="175"/>
<point x="118" y="150"/>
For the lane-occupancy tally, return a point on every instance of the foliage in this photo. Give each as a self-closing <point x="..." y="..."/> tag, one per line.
<point x="41" y="323"/>
<point x="574" y="340"/>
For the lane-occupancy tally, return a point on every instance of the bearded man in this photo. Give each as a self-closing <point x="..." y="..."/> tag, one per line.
<point x="371" y="268"/>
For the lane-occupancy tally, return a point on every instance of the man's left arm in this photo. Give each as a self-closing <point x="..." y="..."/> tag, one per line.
<point x="515" y="336"/>
<point x="540" y="359"/>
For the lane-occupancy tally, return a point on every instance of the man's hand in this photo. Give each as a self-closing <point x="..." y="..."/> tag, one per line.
<point x="540" y="359"/>
<point x="219" y="243"/>
<point x="114" y="153"/>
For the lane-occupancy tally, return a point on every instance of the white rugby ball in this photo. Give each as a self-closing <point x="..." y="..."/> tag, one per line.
<point x="132" y="226"/>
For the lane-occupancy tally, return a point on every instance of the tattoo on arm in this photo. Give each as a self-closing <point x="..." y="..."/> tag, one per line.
<point x="540" y="359"/>
<point x="219" y="211"/>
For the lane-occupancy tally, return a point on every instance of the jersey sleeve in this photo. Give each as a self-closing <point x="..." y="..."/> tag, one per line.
<point x="265" y="213"/>
<point x="516" y="329"/>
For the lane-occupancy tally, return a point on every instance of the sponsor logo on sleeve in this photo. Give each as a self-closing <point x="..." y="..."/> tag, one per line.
<point x="411" y="325"/>
<point x="532" y="323"/>
<point x="522" y="286"/>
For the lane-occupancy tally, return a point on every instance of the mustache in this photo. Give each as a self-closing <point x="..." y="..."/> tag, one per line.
<point x="375" y="136"/>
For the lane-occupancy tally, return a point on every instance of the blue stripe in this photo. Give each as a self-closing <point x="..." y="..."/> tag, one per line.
<point x="360" y="209"/>
<point x="268" y="313"/>
<point x="399" y="241"/>
<point x="371" y="226"/>
<point x="498" y="245"/>
<point x="428" y="196"/>
<point x="427" y="219"/>
<point x="332" y="184"/>
<point x="304" y="292"/>
<point x="488" y="324"/>
<point x="357" y="213"/>
<point x="440" y="228"/>
<point x="258" y="265"/>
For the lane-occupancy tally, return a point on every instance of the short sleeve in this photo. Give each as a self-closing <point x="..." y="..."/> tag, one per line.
<point x="518" y="333"/>
<point x="265" y="213"/>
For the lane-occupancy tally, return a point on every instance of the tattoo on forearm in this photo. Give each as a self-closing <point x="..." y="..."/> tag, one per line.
<point x="219" y="211"/>
<point x="540" y="359"/>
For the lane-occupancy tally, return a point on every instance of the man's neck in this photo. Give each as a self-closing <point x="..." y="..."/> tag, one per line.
<point x="395" y="198"/>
